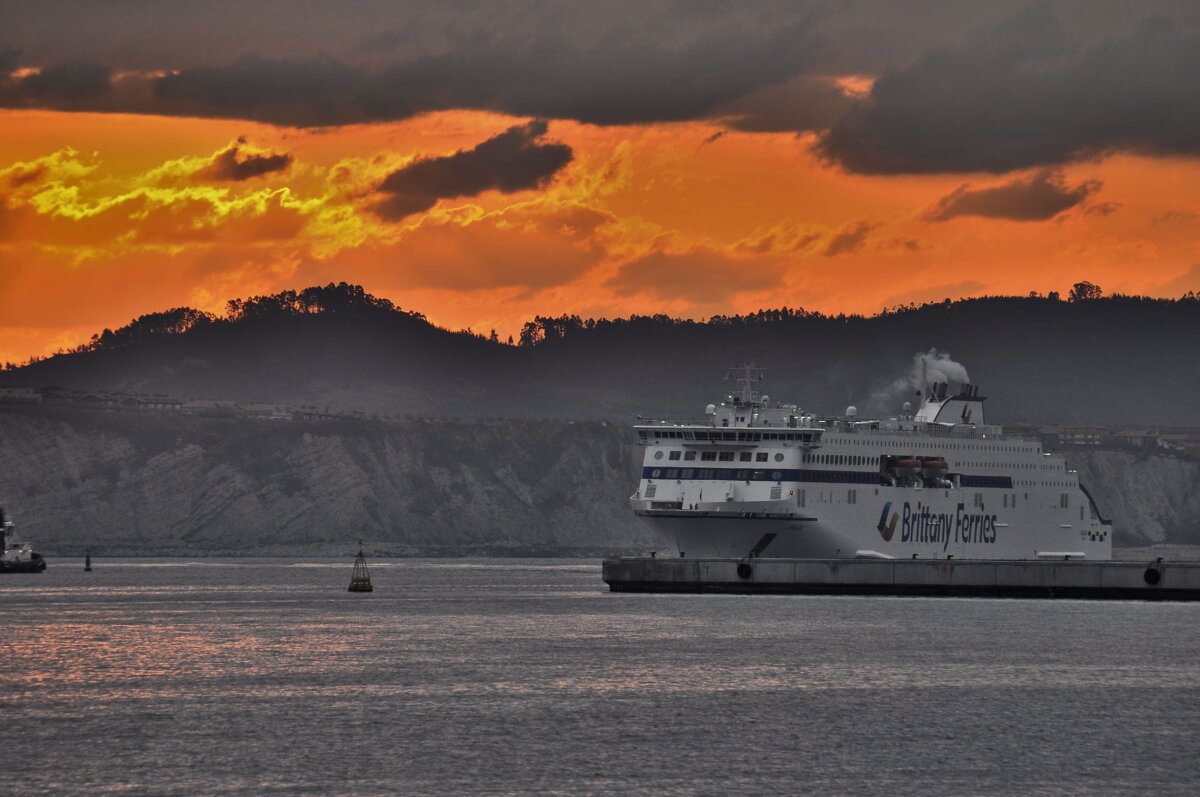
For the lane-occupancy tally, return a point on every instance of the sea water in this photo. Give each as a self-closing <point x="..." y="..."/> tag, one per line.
<point x="246" y="677"/>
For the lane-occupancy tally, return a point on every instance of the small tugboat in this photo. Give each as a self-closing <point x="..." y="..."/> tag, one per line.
<point x="17" y="557"/>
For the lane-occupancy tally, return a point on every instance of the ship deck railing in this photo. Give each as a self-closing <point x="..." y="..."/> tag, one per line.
<point x="846" y="426"/>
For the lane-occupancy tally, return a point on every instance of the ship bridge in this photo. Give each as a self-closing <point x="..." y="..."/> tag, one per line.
<point x="747" y="417"/>
<point x="746" y="407"/>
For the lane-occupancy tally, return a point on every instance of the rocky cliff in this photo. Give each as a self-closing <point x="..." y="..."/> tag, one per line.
<point x="1150" y="498"/>
<point x="145" y="483"/>
<point x="132" y="484"/>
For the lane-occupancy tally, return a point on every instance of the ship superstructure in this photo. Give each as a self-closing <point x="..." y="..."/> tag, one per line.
<point x="762" y="479"/>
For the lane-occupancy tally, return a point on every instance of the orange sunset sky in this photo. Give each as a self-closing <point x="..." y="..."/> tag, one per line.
<point x="493" y="162"/>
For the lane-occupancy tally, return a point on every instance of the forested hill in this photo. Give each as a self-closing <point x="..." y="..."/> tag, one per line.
<point x="1094" y="359"/>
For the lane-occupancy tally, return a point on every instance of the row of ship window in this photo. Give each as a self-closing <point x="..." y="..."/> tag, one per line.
<point x="857" y="459"/>
<point x="839" y="459"/>
<point x="817" y="459"/>
<point x="707" y="473"/>
<point x="718" y="456"/>
<point x="851" y="441"/>
<point x="744" y="437"/>
<point x="1015" y="465"/>
<point x="805" y="437"/>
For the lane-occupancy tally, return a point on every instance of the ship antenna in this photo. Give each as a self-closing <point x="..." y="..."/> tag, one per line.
<point x="747" y="378"/>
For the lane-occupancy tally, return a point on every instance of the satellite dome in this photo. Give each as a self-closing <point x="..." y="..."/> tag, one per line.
<point x="851" y="411"/>
<point x="907" y="406"/>
<point x="711" y="409"/>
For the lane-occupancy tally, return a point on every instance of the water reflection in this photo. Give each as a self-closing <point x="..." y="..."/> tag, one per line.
<point x="473" y="677"/>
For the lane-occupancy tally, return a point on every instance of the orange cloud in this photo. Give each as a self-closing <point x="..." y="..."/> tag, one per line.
<point x="702" y="276"/>
<point x="98" y="225"/>
<point x="525" y="248"/>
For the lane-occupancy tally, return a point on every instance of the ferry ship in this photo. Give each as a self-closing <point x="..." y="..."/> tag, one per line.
<point x="15" y="556"/>
<point x="756" y="479"/>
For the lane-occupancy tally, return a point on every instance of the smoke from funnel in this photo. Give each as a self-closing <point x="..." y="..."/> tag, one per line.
<point x="938" y="368"/>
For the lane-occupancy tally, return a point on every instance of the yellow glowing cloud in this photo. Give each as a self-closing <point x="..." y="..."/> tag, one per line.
<point x="103" y="217"/>
<point x="64" y="165"/>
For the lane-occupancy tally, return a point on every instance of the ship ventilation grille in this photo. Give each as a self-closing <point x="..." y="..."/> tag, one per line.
<point x="776" y="492"/>
<point x="651" y="490"/>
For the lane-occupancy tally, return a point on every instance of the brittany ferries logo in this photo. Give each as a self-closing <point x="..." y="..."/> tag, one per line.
<point x="888" y="527"/>
<point x="923" y="524"/>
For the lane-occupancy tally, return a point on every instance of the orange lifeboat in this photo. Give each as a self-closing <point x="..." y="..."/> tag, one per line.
<point x="934" y="466"/>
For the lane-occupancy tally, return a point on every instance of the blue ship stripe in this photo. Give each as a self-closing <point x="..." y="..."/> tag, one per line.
<point x="1000" y="482"/>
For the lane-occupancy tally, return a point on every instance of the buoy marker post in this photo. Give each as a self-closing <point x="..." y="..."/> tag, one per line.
<point x="360" y="579"/>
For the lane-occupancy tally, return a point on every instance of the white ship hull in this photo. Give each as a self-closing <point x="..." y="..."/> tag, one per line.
<point x="754" y="480"/>
<point x="938" y="524"/>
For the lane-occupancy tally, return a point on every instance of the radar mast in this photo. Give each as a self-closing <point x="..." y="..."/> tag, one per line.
<point x="747" y="378"/>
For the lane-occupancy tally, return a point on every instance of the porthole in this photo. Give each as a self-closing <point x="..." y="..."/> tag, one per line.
<point x="658" y="454"/>
<point x="654" y="473"/>
<point x="776" y="475"/>
<point x="779" y="457"/>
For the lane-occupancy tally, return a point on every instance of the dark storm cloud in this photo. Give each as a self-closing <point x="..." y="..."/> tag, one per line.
<point x="514" y="160"/>
<point x="234" y="164"/>
<point x="315" y="92"/>
<point x="1025" y="94"/>
<point x="65" y="84"/>
<point x="1058" y="81"/>
<point x="71" y="80"/>
<point x="612" y="63"/>
<point x="621" y="76"/>
<point x="799" y="104"/>
<point x="1038" y="197"/>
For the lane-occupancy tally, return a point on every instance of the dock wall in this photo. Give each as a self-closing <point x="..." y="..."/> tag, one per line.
<point x="1175" y="581"/>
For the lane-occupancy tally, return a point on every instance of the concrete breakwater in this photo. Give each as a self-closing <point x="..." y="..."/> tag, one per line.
<point x="1153" y="580"/>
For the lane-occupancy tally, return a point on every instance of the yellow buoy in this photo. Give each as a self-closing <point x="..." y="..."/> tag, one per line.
<point x="360" y="579"/>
